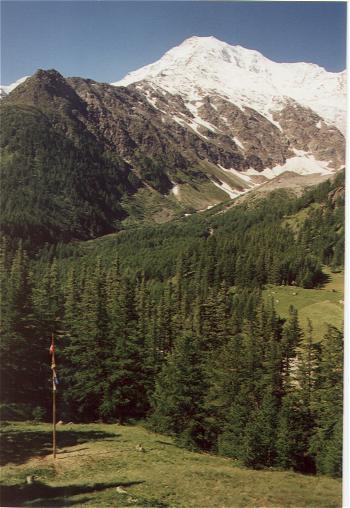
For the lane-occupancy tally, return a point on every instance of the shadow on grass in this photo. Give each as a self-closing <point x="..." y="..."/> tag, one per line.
<point x="324" y="280"/>
<point x="40" y="494"/>
<point x="168" y="444"/>
<point x="17" y="445"/>
<point x="60" y="452"/>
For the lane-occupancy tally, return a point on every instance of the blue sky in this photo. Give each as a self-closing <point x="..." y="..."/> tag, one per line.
<point x="104" y="40"/>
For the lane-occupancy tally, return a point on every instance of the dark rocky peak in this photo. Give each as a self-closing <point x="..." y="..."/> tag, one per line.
<point x="50" y="81"/>
<point x="49" y="76"/>
<point x="46" y="89"/>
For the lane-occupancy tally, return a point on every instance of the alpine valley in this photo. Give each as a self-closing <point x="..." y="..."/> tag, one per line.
<point x="176" y="241"/>
<point x="206" y="123"/>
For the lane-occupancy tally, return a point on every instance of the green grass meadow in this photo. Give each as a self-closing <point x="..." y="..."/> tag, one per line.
<point x="322" y="306"/>
<point x="99" y="465"/>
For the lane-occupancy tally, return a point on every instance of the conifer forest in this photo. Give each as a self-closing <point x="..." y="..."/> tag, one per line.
<point x="166" y="324"/>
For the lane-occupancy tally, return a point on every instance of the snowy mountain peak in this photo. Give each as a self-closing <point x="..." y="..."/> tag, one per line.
<point x="211" y="45"/>
<point x="202" y="66"/>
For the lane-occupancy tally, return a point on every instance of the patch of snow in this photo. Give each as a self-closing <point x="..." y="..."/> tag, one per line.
<point x="176" y="190"/>
<point x="300" y="153"/>
<point x="238" y="143"/>
<point x="195" y="127"/>
<point x="226" y="188"/>
<point x="191" y="124"/>
<point x="252" y="172"/>
<point x="301" y="164"/>
<point x="270" y="118"/>
<point x="239" y="174"/>
<point x="205" y="209"/>
<point x="269" y="174"/>
<point x="191" y="106"/>
<point x="179" y="120"/>
<point x="197" y="119"/>
<point x="204" y="123"/>
<point x="6" y="89"/>
<point x="152" y="102"/>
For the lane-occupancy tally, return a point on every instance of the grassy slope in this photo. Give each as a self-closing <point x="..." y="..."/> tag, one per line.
<point x="94" y="460"/>
<point x="321" y="306"/>
<point x="296" y="220"/>
<point x="148" y="205"/>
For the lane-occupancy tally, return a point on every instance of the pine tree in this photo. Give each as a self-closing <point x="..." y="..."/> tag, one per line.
<point x="46" y="298"/>
<point x="124" y="389"/>
<point x="87" y="347"/>
<point x="71" y="302"/>
<point x="24" y="366"/>
<point x="227" y="400"/>
<point x="178" y="396"/>
<point x="145" y="336"/>
<point x="326" y="443"/>
<point x="259" y="441"/>
<point x="293" y="434"/>
<point x="296" y="419"/>
<point x="291" y="339"/>
<point x="307" y="367"/>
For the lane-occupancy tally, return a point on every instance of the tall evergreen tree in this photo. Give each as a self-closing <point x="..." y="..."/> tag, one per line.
<point x="178" y="397"/>
<point x="326" y="443"/>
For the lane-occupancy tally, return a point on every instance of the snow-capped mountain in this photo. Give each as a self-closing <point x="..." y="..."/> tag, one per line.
<point x="205" y="123"/>
<point x="203" y="66"/>
<point x="6" y="89"/>
<point x="274" y="117"/>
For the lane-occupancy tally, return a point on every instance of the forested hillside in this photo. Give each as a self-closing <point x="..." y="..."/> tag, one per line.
<point x="57" y="181"/>
<point x="168" y="323"/>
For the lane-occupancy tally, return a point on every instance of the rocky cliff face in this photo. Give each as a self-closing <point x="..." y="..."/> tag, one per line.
<point x="308" y="132"/>
<point x="245" y="147"/>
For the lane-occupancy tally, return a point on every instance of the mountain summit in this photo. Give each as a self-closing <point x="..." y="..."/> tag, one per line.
<point x="205" y="65"/>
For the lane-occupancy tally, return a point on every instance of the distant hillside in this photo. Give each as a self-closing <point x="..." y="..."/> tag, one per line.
<point x="315" y="218"/>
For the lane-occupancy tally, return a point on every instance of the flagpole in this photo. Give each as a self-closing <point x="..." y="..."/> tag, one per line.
<point x="53" y="367"/>
<point x="54" y="421"/>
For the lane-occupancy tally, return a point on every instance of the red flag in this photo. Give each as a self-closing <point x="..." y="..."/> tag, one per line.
<point x="53" y="365"/>
<point x="52" y="347"/>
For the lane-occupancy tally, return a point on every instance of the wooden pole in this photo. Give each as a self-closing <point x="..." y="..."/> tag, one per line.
<point x="53" y="368"/>
<point x="54" y="419"/>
